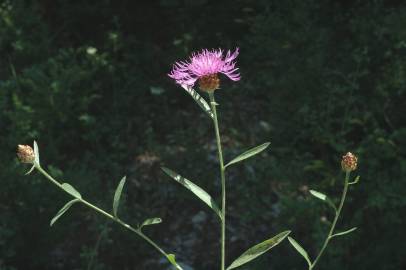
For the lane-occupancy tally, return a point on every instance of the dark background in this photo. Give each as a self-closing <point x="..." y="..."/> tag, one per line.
<point x="88" y="81"/>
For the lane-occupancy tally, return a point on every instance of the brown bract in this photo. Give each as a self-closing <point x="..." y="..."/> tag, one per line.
<point x="209" y="83"/>
<point x="25" y="153"/>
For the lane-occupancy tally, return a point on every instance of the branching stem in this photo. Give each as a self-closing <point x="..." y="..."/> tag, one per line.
<point x="104" y="213"/>
<point x="333" y="225"/>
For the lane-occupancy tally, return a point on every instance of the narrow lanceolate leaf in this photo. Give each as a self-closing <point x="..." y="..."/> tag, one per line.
<point x="299" y="249"/>
<point x="344" y="232"/>
<point x="355" y="181"/>
<point x="172" y="260"/>
<point x="199" y="100"/>
<point x="323" y="197"/>
<point x="117" y="195"/>
<point x="258" y="250"/>
<point x="151" y="221"/>
<point x="63" y="210"/>
<point x="71" y="190"/>
<point x="36" y="153"/>
<point x="318" y="195"/>
<point x="195" y="189"/>
<point x="249" y="153"/>
<point x="30" y="171"/>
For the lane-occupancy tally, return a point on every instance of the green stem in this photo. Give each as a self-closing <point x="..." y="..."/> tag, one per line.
<point x="101" y="211"/>
<point x="337" y="215"/>
<point x="223" y="181"/>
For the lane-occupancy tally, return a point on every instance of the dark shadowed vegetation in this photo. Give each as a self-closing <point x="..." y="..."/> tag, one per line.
<point x="88" y="80"/>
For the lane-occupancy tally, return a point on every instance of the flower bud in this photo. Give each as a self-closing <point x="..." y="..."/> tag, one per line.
<point x="25" y="153"/>
<point x="349" y="162"/>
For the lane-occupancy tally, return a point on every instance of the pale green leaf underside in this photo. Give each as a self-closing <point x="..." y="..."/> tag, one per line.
<point x="71" y="190"/>
<point x="318" y="195"/>
<point x="344" y="232"/>
<point x="172" y="260"/>
<point x="151" y="221"/>
<point x="63" y="210"/>
<point x="258" y="250"/>
<point x="117" y="195"/>
<point x="36" y="153"/>
<point x="323" y="197"/>
<point x="195" y="189"/>
<point x="199" y="100"/>
<point x="249" y="153"/>
<point x="299" y="249"/>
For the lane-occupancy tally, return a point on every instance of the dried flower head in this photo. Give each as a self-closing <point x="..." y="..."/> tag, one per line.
<point x="25" y="153"/>
<point x="349" y="162"/>
<point x="204" y="67"/>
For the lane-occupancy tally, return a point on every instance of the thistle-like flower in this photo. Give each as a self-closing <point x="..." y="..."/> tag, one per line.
<point x="349" y="162"/>
<point x="204" y="67"/>
<point x="25" y="153"/>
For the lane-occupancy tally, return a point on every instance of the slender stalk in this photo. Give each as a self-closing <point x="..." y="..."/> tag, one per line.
<point x="333" y="225"/>
<point x="101" y="211"/>
<point x="223" y="181"/>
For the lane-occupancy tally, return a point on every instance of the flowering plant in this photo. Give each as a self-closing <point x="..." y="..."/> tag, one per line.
<point x="203" y="68"/>
<point x="349" y="163"/>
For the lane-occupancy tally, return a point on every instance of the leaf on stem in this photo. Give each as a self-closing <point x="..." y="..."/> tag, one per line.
<point x="172" y="260"/>
<point x="195" y="189"/>
<point x="71" y="190"/>
<point x="323" y="197"/>
<point x="30" y="171"/>
<point x="63" y="210"/>
<point x="355" y="181"/>
<point x="199" y="100"/>
<point x="36" y="153"/>
<point x="299" y="249"/>
<point x="344" y="232"/>
<point x="258" y="250"/>
<point x="249" y="153"/>
<point x="117" y="195"/>
<point x="150" y="221"/>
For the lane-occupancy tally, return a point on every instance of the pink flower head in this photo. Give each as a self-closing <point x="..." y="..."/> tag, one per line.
<point x="204" y="67"/>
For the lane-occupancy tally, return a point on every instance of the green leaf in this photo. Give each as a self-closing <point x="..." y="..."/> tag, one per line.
<point x="30" y="171"/>
<point x="36" y="153"/>
<point x="299" y="249"/>
<point x="63" y="210"/>
<point x="150" y="221"/>
<point x="198" y="191"/>
<point x="199" y="100"/>
<point x="71" y="190"/>
<point x="355" y="181"/>
<point x="323" y="197"/>
<point x="172" y="260"/>
<point x="117" y="195"/>
<point x="258" y="250"/>
<point x="344" y="232"/>
<point x="318" y="195"/>
<point x="249" y="153"/>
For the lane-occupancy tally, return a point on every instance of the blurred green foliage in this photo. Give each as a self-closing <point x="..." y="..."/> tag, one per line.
<point x="87" y="80"/>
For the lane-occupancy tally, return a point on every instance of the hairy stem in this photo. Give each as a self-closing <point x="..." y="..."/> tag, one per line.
<point x="104" y="213"/>
<point x="223" y="181"/>
<point x="333" y="225"/>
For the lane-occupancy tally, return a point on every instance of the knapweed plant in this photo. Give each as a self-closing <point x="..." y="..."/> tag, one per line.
<point x="203" y="68"/>
<point x="348" y="164"/>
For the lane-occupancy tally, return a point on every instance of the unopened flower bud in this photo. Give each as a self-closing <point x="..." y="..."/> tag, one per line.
<point x="349" y="162"/>
<point x="25" y="153"/>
